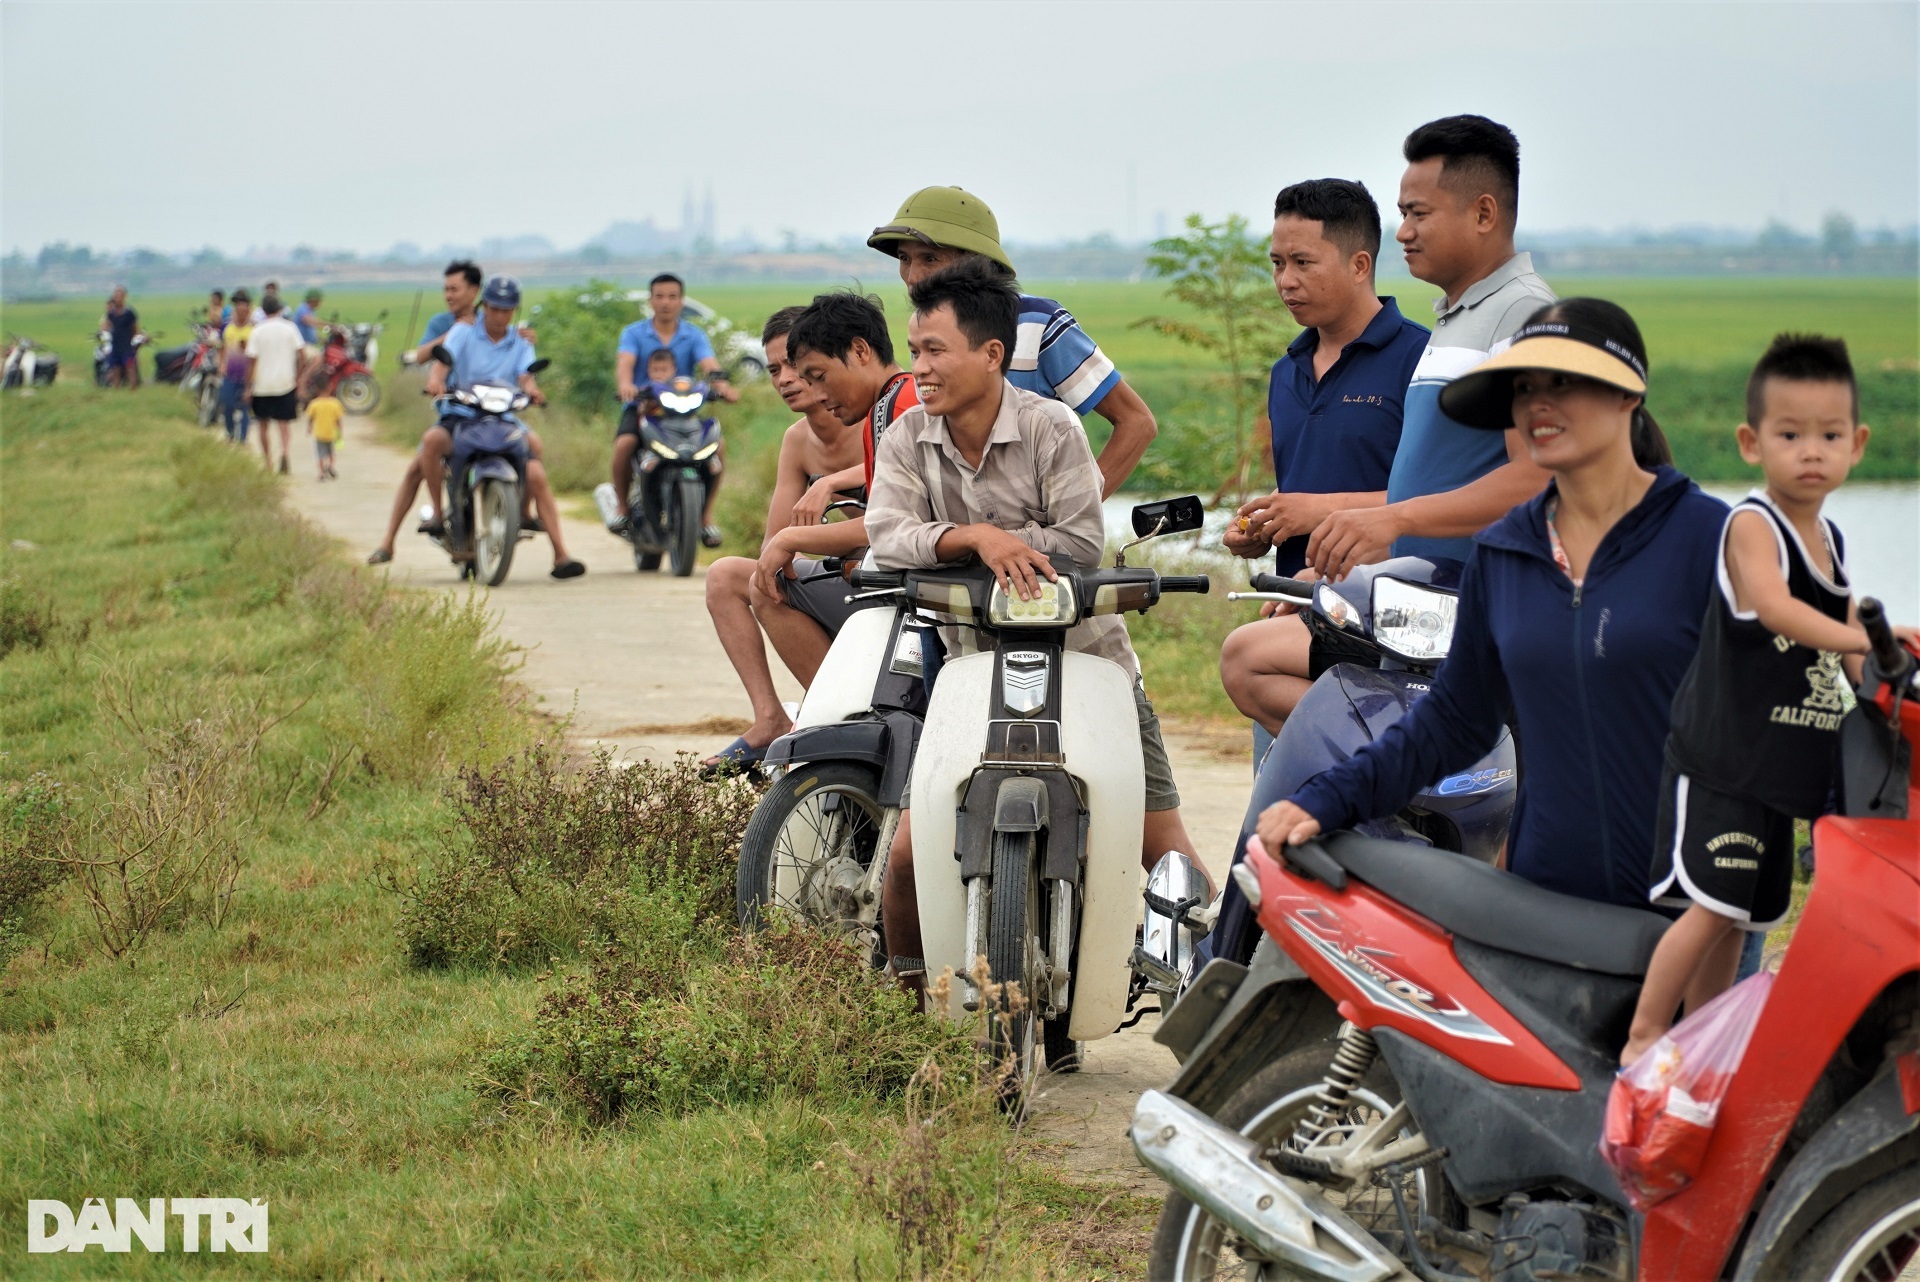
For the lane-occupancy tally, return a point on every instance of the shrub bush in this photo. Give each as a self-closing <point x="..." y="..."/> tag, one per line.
<point x="544" y="863"/>
<point x="785" y="1010"/>
<point x="33" y="818"/>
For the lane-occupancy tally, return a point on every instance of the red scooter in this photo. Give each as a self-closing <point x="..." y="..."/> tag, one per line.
<point x="1453" y="1129"/>
<point x="345" y="369"/>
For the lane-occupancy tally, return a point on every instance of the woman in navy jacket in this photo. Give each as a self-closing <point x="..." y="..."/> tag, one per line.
<point x="1579" y="610"/>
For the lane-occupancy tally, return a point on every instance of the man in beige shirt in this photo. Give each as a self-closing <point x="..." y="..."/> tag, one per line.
<point x="983" y="469"/>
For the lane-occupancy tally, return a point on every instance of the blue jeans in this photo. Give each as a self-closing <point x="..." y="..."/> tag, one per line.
<point x="232" y="404"/>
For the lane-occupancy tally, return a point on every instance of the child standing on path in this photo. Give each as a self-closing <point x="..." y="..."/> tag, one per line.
<point x="1756" y="720"/>
<point x="323" y="422"/>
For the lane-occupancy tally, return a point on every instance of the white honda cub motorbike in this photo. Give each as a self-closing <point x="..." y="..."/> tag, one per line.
<point x="1028" y="796"/>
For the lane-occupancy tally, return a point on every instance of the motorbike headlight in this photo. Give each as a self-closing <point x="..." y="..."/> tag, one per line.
<point x="1413" y="622"/>
<point x="495" y="400"/>
<point x="662" y="449"/>
<point x="1336" y="608"/>
<point x="1055" y="607"/>
<point x="707" y="451"/>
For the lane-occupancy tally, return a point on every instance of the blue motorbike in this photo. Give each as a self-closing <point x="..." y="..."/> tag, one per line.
<point x="674" y="470"/>
<point x="486" y="476"/>
<point x="1377" y="638"/>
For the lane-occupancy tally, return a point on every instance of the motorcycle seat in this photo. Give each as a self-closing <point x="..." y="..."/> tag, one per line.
<point x="1489" y="906"/>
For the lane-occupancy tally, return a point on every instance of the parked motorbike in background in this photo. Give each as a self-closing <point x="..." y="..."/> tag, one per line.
<point x="345" y="367"/>
<point x="1376" y="639"/>
<point x="486" y="476"/>
<point x="1449" y="1127"/>
<point x="675" y="468"/>
<point x="200" y="372"/>
<point x="103" y="352"/>
<point x="29" y="365"/>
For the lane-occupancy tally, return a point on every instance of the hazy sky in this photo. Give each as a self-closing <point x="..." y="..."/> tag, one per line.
<point x="358" y="125"/>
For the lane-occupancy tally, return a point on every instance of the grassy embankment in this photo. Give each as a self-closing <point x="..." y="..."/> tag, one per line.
<point x="346" y="1007"/>
<point x="1703" y="335"/>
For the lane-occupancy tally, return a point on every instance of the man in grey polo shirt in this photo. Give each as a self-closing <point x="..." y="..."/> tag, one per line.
<point x="1457" y="209"/>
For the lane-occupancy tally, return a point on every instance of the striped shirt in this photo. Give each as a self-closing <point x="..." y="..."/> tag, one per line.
<point x="1053" y="356"/>
<point x="1036" y="480"/>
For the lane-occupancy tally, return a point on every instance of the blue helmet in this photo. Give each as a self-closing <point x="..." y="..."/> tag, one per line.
<point x="501" y="291"/>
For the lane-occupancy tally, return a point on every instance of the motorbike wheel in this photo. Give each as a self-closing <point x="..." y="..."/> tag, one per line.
<point x="1189" y="1244"/>
<point x="1873" y="1234"/>
<point x="496" y="530"/>
<point x="1012" y="917"/>
<point x="208" y="409"/>
<point x="358" y="393"/>
<point x="809" y="844"/>
<point x="683" y="520"/>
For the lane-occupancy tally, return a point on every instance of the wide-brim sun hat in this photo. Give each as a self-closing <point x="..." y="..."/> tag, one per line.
<point x="1483" y="396"/>
<point x="943" y="216"/>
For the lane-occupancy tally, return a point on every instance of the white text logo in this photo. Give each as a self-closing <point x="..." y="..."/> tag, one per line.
<point x="230" y="1223"/>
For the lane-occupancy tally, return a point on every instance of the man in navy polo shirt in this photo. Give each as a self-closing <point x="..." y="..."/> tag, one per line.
<point x="692" y="355"/>
<point x="1335" y="402"/>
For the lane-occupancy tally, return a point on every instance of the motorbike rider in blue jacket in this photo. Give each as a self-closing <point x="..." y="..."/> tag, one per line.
<point x="1579" y="613"/>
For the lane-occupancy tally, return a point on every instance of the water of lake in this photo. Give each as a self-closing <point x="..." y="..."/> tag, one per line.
<point x="1881" y="521"/>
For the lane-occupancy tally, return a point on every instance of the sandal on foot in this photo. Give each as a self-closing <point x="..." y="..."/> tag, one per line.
<point x="533" y="523"/>
<point x="568" y="570"/>
<point x="737" y="756"/>
<point x="710" y="536"/>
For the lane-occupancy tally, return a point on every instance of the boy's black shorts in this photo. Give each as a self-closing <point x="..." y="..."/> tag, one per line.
<point x="1724" y="853"/>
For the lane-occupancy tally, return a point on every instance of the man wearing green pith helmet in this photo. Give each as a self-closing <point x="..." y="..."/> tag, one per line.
<point x="1053" y="356"/>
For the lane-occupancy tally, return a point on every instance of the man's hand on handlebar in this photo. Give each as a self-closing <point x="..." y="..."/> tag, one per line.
<point x="629" y="392"/>
<point x="1016" y="566"/>
<point x="1285" y="824"/>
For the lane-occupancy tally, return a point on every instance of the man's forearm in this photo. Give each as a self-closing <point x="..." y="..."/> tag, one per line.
<point x="836" y="539"/>
<point x="1133" y="431"/>
<point x="1474" y="506"/>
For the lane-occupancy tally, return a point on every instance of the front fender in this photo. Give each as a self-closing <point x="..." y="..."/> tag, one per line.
<point x="492" y="468"/>
<point x="1871" y="1134"/>
<point x="1273" y="1009"/>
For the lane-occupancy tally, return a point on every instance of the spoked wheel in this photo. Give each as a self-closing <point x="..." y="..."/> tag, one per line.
<point x="1189" y="1244"/>
<point x="1013" y="956"/>
<point x="496" y="530"/>
<point x="1872" y="1236"/>
<point x="683" y="524"/>
<point x="809" y="846"/>
<point x="358" y="393"/>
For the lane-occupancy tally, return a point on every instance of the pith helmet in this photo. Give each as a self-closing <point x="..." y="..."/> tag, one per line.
<point x="943" y="216"/>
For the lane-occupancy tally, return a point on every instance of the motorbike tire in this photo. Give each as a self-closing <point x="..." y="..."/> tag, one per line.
<point x="1189" y="1245"/>
<point x="496" y="530"/>
<point x="683" y="520"/>
<point x="1874" y="1233"/>
<point x="208" y="410"/>
<point x="358" y="393"/>
<point x="1012" y="914"/>
<point x="774" y="872"/>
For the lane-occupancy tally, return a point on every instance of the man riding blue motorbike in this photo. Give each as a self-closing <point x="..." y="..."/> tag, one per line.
<point x="493" y="351"/>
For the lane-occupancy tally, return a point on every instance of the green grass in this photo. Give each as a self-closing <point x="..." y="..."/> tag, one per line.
<point x="290" y="1052"/>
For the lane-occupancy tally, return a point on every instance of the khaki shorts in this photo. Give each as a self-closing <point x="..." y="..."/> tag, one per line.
<point x="1161" y="794"/>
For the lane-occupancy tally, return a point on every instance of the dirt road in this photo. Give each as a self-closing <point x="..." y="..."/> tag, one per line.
<point x="634" y="660"/>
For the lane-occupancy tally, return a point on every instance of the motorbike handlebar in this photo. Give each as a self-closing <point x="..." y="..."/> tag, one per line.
<point x="1185" y="583"/>
<point x="878" y="580"/>
<point x="1278" y="583"/>
<point x="1888" y="654"/>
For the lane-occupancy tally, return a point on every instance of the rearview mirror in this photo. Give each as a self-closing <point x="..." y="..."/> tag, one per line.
<point x="442" y="355"/>
<point x="538" y="365"/>
<point x="1169" y="516"/>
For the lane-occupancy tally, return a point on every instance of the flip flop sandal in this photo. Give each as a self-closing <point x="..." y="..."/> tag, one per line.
<point x="738" y="756"/>
<point x="379" y="556"/>
<point x="568" y="570"/>
<point x="710" y="536"/>
<point x="533" y="523"/>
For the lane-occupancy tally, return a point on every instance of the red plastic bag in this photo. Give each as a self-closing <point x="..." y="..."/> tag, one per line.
<point x="1660" y="1115"/>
